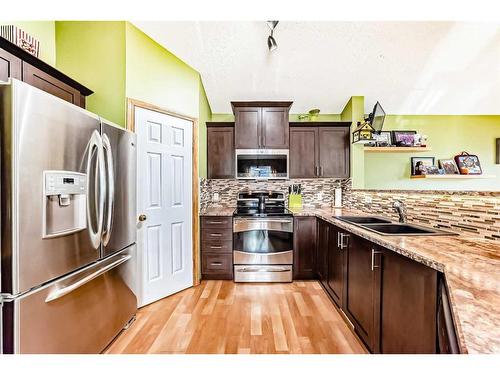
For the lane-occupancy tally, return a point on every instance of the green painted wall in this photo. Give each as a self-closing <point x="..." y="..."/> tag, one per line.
<point x="93" y="53"/>
<point x="156" y="76"/>
<point x="45" y="32"/>
<point x="447" y="136"/>
<point x="205" y="115"/>
<point x="354" y="112"/>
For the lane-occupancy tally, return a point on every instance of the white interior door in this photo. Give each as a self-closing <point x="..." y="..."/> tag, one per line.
<point x="164" y="196"/>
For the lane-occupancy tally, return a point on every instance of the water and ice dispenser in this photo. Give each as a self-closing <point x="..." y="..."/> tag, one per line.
<point x="64" y="208"/>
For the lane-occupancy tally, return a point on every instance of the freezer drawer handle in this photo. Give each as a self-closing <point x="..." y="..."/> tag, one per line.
<point x="68" y="289"/>
<point x="262" y="269"/>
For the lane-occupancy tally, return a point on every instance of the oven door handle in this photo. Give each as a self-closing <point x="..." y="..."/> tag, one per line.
<point x="261" y="269"/>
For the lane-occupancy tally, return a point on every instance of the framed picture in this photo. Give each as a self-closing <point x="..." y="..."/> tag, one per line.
<point x="419" y="165"/>
<point x="383" y="139"/>
<point x="449" y="166"/>
<point x="403" y="138"/>
<point x="468" y="164"/>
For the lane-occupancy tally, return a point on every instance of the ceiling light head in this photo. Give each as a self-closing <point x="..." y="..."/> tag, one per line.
<point x="272" y="24"/>
<point x="271" y="43"/>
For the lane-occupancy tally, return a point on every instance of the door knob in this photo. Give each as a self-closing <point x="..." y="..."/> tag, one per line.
<point x="142" y="217"/>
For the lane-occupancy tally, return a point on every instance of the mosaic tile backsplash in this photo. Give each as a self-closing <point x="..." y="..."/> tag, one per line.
<point x="471" y="213"/>
<point x="467" y="213"/>
<point x="228" y="189"/>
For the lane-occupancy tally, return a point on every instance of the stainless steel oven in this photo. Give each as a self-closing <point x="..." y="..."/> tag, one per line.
<point x="263" y="248"/>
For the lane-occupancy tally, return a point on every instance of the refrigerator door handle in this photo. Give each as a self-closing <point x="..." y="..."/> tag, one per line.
<point x="59" y="293"/>
<point x="96" y="143"/>
<point x="110" y="189"/>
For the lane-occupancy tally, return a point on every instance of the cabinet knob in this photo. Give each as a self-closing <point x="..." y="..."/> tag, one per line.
<point x="142" y="217"/>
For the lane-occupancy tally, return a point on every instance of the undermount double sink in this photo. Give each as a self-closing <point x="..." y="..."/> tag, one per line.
<point x="387" y="228"/>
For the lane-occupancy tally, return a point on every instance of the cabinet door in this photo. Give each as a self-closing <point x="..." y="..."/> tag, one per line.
<point x="362" y="290"/>
<point x="322" y="251"/>
<point x="304" y="248"/>
<point x="45" y="82"/>
<point x="275" y="127"/>
<point x="336" y="264"/>
<point x="334" y="151"/>
<point x="10" y="66"/>
<point x="303" y="152"/>
<point x="247" y="130"/>
<point x="408" y="306"/>
<point x="220" y="152"/>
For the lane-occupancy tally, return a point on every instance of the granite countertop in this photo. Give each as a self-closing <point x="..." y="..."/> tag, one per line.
<point x="471" y="266"/>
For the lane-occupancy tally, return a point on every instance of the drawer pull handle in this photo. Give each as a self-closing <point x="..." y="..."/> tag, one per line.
<point x="216" y="234"/>
<point x="216" y="264"/>
<point x="216" y="247"/>
<point x="215" y="222"/>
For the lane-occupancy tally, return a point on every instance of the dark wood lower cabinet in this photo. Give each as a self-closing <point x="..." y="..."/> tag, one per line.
<point x="362" y="290"/>
<point x="408" y="305"/>
<point x="217" y="248"/>
<point x="322" y="251"/>
<point x="336" y="263"/>
<point x="304" y="247"/>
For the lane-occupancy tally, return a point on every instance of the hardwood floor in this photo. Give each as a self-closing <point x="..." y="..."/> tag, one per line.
<point x="226" y="317"/>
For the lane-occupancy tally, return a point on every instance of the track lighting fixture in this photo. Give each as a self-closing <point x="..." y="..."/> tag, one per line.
<point x="271" y="42"/>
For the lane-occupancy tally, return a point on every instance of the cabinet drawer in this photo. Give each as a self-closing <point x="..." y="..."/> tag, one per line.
<point x="215" y="265"/>
<point x="217" y="246"/>
<point x="208" y="222"/>
<point x="215" y="234"/>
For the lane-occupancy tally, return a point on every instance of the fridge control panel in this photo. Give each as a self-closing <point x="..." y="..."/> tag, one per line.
<point x="65" y="203"/>
<point x="63" y="182"/>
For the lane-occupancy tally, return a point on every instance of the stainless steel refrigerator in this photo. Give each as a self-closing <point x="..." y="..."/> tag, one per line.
<point x="67" y="225"/>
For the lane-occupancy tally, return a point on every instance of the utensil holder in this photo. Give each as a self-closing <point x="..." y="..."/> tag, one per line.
<point x="295" y="201"/>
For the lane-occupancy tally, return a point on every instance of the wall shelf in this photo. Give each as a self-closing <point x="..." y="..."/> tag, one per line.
<point x="453" y="176"/>
<point x="397" y="149"/>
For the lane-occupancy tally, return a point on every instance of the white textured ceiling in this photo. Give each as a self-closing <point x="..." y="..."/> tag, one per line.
<point x="410" y="67"/>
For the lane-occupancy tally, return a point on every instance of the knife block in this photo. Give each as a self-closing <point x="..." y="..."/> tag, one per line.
<point x="294" y="200"/>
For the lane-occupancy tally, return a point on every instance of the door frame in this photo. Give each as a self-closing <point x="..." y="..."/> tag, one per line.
<point x="131" y="105"/>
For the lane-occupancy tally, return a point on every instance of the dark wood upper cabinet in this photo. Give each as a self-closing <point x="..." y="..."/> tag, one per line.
<point x="274" y="128"/>
<point x="408" y="306"/>
<point x="247" y="125"/>
<point x="220" y="150"/>
<point x="19" y="64"/>
<point x="304" y="247"/>
<point x="304" y="150"/>
<point x="43" y="81"/>
<point x="261" y="124"/>
<point x="319" y="150"/>
<point x="361" y="300"/>
<point x="334" y="149"/>
<point x="10" y="66"/>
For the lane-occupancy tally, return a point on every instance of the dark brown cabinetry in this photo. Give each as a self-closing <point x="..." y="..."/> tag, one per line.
<point x="408" y="305"/>
<point x="217" y="247"/>
<point x="319" y="151"/>
<point x="10" y="66"/>
<point x="322" y="252"/>
<point x="336" y="263"/>
<point x="220" y="150"/>
<point x="362" y="290"/>
<point x="261" y="125"/>
<point x="19" y="64"/>
<point x="304" y="247"/>
<point x="43" y="81"/>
